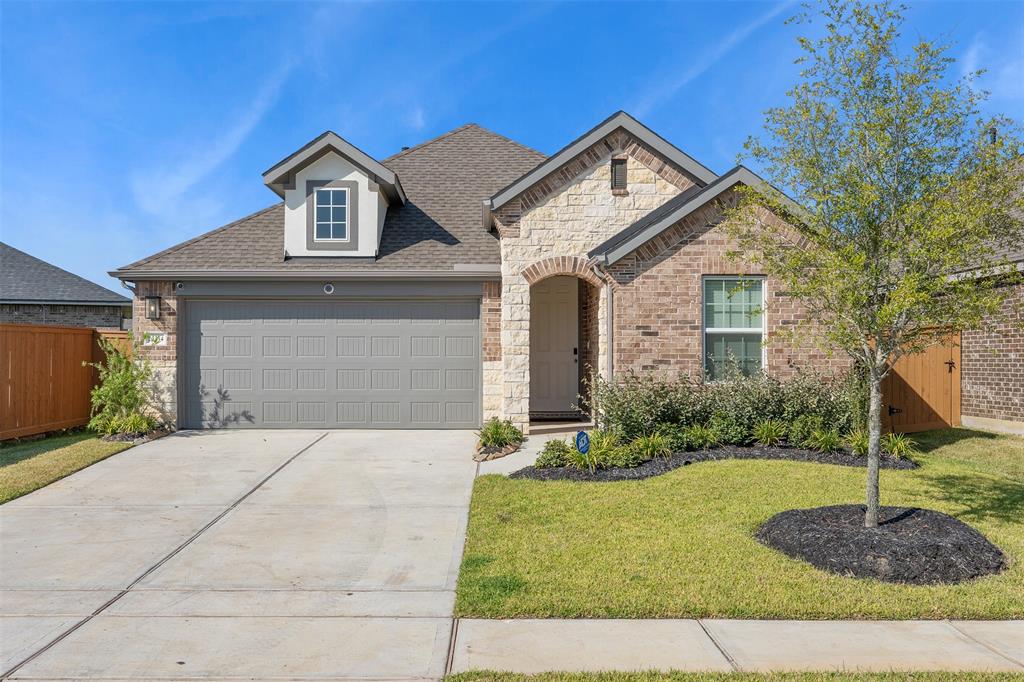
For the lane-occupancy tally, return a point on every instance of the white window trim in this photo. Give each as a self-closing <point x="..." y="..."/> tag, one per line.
<point x="348" y="216"/>
<point x="732" y="330"/>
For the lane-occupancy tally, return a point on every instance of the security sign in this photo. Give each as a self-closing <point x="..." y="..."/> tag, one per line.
<point x="583" y="442"/>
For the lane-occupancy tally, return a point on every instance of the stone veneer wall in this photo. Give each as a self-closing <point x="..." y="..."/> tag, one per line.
<point x="162" y="358"/>
<point x="567" y="215"/>
<point x="992" y="366"/>
<point x="67" y="315"/>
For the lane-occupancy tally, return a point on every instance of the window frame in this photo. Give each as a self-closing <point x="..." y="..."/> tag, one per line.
<point x="348" y="215"/>
<point x="705" y="329"/>
<point x="351" y="243"/>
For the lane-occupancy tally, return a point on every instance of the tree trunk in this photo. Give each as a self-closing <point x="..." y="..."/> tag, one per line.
<point x="874" y="448"/>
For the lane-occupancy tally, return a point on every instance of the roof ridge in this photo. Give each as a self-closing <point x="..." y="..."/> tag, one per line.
<point x="78" y="278"/>
<point x="455" y="131"/>
<point x="177" y="247"/>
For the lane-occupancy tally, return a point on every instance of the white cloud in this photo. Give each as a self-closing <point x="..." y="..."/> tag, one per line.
<point x="1004" y="67"/>
<point x="160" y="191"/>
<point x="668" y="88"/>
<point x="415" y="118"/>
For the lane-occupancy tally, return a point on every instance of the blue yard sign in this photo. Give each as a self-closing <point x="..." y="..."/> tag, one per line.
<point x="583" y="442"/>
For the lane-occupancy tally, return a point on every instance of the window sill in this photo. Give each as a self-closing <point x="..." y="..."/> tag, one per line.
<point x="620" y="192"/>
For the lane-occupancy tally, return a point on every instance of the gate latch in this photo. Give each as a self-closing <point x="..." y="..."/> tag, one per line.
<point x="894" y="410"/>
<point x="950" y="364"/>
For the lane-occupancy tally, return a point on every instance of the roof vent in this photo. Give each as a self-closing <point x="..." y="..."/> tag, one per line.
<point x="405" y="148"/>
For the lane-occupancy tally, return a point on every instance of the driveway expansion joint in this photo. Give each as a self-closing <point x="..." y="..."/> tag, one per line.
<point x="718" y="645"/>
<point x="167" y="557"/>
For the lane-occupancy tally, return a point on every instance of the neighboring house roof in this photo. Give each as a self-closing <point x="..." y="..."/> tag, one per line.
<point x="436" y="230"/>
<point x="620" y="119"/>
<point x="677" y="208"/>
<point x="281" y="175"/>
<point x="26" y="279"/>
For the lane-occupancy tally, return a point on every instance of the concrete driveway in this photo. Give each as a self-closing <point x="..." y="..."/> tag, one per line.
<point x="243" y="554"/>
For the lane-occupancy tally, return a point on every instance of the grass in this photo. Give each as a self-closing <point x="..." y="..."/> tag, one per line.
<point x="30" y="465"/>
<point x="489" y="676"/>
<point x="681" y="545"/>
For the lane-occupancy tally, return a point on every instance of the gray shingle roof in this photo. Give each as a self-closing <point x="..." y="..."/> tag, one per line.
<point x="25" y="278"/>
<point x="446" y="179"/>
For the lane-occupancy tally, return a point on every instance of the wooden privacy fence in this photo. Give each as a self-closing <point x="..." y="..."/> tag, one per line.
<point x="44" y="386"/>
<point x="923" y="390"/>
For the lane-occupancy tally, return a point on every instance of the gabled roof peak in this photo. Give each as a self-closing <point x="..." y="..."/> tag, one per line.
<point x="281" y="176"/>
<point x="619" y="120"/>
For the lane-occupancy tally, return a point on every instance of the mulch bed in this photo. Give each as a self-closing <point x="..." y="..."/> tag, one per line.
<point x="485" y="453"/>
<point x="657" y="467"/>
<point x="135" y="437"/>
<point x="910" y="545"/>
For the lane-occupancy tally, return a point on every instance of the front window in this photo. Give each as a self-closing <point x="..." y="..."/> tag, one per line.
<point x="733" y="325"/>
<point x="331" y="215"/>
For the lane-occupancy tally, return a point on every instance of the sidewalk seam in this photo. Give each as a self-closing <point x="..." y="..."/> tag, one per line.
<point x="984" y="644"/>
<point x="718" y="645"/>
<point x="451" y="647"/>
<point x="167" y="557"/>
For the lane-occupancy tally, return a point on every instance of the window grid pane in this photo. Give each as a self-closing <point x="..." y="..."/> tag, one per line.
<point x="732" y="304"/>
<point x="331" y="214"/>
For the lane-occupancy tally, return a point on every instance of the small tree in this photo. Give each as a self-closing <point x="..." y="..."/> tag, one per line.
<point x="120" y="398"/>
<point x="906" y="197"/>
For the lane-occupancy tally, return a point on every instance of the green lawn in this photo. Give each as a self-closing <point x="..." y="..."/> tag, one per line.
<point x="488" y="676"/>
<point x="681" y="545"/>
<point x="30" y="465"/>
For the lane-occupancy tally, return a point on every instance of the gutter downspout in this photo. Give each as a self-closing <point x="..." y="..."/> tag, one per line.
<point x="609" y="321"/>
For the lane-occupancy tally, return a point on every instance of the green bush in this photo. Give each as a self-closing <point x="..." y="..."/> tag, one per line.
<point x="120" y="399"/>
<point x="770" y="432"/>
<point x="649" y="447"/>
<point x="730" y="430"/>
<point x="641" y="404"/>
<point x="801" y="428"/>
<point x="825" y="440"/>
<point x="497" y="433"/>
<point x="858" y="442"/>
<point x="675" y="436"/>
<point x="555" y="453"/>
<point x="898" y="444"/>
<point x="625" y="456"/>
<point x="702" y="437"/>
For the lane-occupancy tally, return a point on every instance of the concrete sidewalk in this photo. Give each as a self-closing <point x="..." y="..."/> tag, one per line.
<point x="532" y="646"/>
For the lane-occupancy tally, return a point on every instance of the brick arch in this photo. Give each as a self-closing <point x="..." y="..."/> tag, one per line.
<point x="562" y="265"/>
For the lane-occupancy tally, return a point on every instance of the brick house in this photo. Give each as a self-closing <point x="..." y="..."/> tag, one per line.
<point x="33" y="291"/>
<point x="466" y="277"/>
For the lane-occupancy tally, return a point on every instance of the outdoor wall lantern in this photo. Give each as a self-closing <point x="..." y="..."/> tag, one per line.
<point x="152" y="307"/>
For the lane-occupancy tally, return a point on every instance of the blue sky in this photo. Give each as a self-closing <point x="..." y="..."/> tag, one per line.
<point x="126" y="128"/>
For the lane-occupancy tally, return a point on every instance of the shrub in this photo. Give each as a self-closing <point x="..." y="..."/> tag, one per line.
<point x="825" y="440"/>
<point x="626" y="456"/>
<point x="770" y="432"/>
<point x="898" y="444"/>
<point x="702" y="437"/>
<point x="603" y="452"/>
<point x="555" y="453"/>
<point x="675" y="436"/>
<point x="640" y="404"/>
<point x="858" y="442"/>
<point x="801" y="428"/>
<point x="497" y="433"/>
<point x="120" y="398"/>
<point x="637" y="403"/>
<point x="649" y="447"/>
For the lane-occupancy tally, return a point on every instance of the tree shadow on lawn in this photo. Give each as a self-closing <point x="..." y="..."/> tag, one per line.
<point x="928" y="441"/>
<point x="12" y="453"/>
<point x="982" y="497"/>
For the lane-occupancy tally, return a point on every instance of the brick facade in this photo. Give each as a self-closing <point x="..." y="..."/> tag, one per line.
<point x="96" y="316"/>
<point x="992" y="366"/>
<point x="163" y="358"/>
<point x="659" y="305"/>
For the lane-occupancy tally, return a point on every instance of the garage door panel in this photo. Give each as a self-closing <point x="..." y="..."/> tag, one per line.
<point x="386" y="364"/>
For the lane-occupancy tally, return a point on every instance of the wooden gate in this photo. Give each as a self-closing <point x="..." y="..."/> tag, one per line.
<point x="923" y="391"/>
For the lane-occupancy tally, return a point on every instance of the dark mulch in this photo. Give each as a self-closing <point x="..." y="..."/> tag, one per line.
<point x="910" y="545"/>
<point x="135" y="436"/>
<point x="656" y="467"/>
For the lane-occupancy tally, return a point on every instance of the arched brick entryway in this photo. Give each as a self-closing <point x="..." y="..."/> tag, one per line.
<point x="574" y="266"/>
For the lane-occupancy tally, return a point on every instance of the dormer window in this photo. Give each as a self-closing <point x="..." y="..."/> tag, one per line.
<point x="331" y="214"/>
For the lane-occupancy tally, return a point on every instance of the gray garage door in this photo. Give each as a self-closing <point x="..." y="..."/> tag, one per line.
<point x="331" y="364"/>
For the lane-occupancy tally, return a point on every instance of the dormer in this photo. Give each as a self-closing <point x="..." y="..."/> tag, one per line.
<point x="335" y="197"/>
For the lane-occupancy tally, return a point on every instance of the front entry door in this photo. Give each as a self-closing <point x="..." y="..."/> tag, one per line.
<point x="554" y="345"/>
